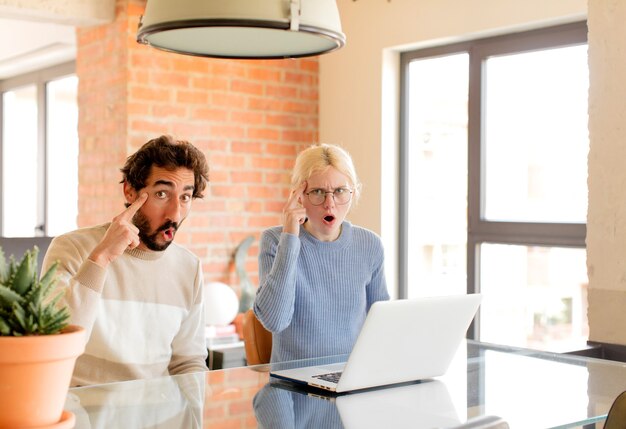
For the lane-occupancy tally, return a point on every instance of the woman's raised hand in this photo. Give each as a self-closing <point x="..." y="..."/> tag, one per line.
<point x="294" y="214"/>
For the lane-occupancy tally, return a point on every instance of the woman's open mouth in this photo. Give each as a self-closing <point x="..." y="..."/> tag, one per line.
<point x="329" y="218"/>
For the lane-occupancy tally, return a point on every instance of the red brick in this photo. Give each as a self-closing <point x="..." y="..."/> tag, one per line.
<point x="187" y="65"/>
<point x="263" y="192"/>
<point x="283" y="149"/>
<point x="274" y="206"/>
<point x="309" y="94"/>
<point x="169" y="79"/>
<point x="210" y="83"/>
<point x="287" y="121"/>
<point x="308" y="122"/>
<point x="258" y="103"/>
<point x="264" y="74"/>
<point x="287" y="163"/>
<point x="299" y="107"/>
<point x="263" y="134"/>
<point x="248" y="118"/>
<point x="269" y="163"/>
<point x="278" y="177"/>
<point x="228" y="68"/>
<point x="262" y="221"/>
<point x="300" y="79"/>
<point x="218" y="175"/>
<point x="239" y="236"/>
<point x="208" y="113"/>
<point x="298" y="136"/>
<point x="235" y="206"/>
<point x="311" y="65"/>
<point x="148" y="93"/>
<point x="255" y="207"/>
<point x="191" y="97"/>
<point x="246" y="176"/>
<point x="281" y="91"/>
<point x="229" y="131"/>
<point x="168" y="110"/>
<point x="187" y="129"/>
<point x="229" y="101"/>
<point x="147" y="126"/>
<point x="230" y="190"/>
<point x="135" y="9"/>
<point x="246" y="87"/>
<point x="247" y="147"/>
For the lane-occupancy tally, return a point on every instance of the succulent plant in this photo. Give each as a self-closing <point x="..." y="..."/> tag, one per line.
<point x="27" y="306"/>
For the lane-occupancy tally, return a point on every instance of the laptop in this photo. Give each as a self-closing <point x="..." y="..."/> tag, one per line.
<point x="400" y="341"/>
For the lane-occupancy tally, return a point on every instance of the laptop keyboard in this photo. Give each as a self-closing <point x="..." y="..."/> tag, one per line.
<point x="331" y="377"/>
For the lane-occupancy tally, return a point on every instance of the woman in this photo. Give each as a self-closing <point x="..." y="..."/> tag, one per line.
<point x="319" y="274"/>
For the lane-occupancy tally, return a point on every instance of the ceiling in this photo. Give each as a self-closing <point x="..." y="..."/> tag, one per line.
<point x="30" y="45"/>
<point x="36" y="34"/>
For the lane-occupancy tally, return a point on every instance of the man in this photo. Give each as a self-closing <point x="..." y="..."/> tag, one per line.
<point x="137" y="294"/>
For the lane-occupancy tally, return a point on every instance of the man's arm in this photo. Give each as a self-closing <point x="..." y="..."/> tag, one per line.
<point x="83" y="259"/>
<point x="189" y="350"/>
<point x="79" y="279"/>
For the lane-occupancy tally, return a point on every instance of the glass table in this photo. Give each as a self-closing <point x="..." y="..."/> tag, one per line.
<point x="525" y="388"/>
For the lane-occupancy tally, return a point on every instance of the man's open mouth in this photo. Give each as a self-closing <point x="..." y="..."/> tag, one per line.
<point x="168" y="230"/>
<point x="168" y="233"/>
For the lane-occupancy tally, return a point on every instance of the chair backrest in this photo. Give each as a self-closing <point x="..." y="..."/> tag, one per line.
<point x="257" y="340"/>
<point x="616" y="419"/>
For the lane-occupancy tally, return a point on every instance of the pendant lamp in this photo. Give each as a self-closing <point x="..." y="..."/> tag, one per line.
<point x="245" y="29"/>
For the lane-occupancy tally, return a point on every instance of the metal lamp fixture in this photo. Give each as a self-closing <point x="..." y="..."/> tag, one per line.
<point x="246" y="29"/>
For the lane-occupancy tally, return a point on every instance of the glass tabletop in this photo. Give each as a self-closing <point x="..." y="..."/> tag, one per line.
<point x="524" y="388"/>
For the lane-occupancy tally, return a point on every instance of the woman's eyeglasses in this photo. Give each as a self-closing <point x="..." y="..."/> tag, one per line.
<point x="340" y="195"/>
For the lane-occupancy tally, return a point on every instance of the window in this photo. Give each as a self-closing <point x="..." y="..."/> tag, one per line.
<point x="39" y="153"/>
<point x="493" y="177"/>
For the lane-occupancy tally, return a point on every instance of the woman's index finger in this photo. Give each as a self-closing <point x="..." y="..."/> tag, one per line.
<point x="296" y="195"/>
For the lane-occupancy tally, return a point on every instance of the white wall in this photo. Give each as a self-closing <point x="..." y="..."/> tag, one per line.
<point x="359" y="83"/>
<point x="606" y="219"/>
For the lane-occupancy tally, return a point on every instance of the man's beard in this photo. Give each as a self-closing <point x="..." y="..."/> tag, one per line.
<point x="150" y="239"/>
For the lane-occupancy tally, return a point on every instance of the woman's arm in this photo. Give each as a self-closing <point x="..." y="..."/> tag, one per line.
<point x="275" y="297"/>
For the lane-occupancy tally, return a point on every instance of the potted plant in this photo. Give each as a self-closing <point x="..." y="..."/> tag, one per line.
<point x="38" y="349"/>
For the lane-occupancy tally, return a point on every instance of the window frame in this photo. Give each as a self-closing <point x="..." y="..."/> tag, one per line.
<point x="39" y="79"/>
<point x="480" y="230"/>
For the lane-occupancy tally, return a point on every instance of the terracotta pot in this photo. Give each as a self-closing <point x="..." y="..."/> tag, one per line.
<point x="35" y="374"/>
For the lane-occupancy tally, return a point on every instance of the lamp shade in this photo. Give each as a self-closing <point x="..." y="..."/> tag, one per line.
<point x="220" y="304"/>
<point x="247" y="29"/>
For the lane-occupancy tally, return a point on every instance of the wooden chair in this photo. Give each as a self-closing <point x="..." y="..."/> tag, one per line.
<point x="257" y="340"/>
<point x="616" y="419"/>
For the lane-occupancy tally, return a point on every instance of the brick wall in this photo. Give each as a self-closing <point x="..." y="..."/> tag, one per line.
<point x="249" y="117"/>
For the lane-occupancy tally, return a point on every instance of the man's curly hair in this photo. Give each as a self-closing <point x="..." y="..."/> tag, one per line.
<point x="166" y="152"/>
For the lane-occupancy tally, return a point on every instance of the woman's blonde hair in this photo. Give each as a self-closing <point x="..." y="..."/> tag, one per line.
<point x="318" y="158"/>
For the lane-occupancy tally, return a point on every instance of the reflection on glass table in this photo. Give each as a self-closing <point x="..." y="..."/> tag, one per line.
<point x="524" y="388"/>
<point x="170" y="402"/>
<point x="279" y="405"/>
